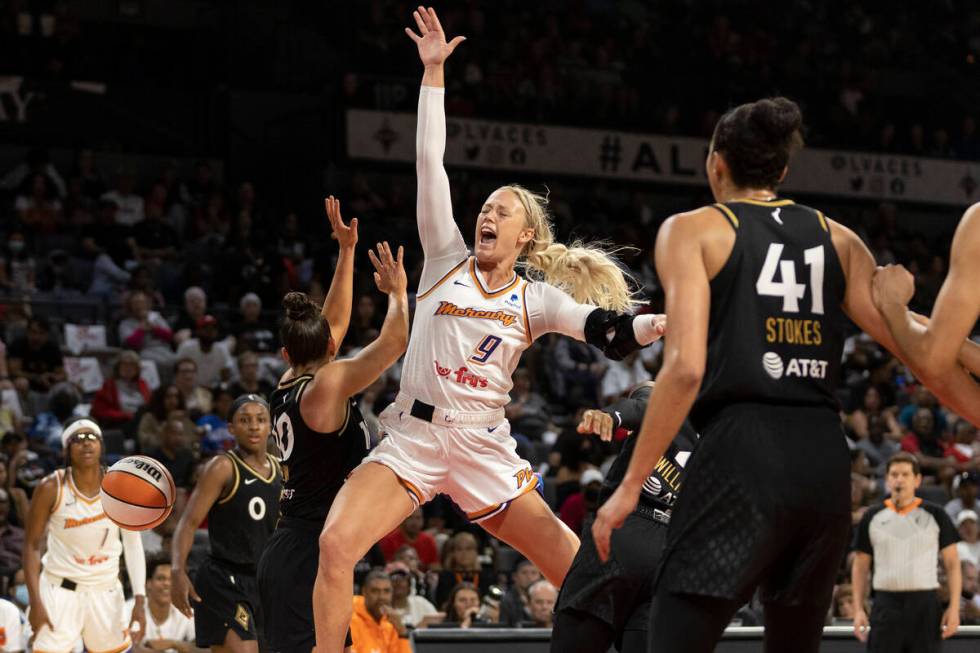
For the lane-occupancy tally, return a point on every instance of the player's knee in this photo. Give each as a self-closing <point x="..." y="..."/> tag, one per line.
<point x="337" y="548"/>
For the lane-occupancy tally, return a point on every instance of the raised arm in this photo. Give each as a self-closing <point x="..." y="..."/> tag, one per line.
<point x="344" y="378"/>
<point x="340" y="297"/>
<point x="955" y="388"/>
<point x="441" y="240"/>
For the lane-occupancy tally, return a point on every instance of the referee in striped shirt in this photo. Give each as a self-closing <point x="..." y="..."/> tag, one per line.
<point x="905" y="536"/>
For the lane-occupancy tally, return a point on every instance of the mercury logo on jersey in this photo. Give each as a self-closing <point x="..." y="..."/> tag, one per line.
<point x="462" y="375"/>
<point x="75" y="523"/>
<point x="807" y="368"/>
<point x="452" y="310"/>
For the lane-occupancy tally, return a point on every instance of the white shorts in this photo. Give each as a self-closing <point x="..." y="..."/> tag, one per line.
<point x="93" y="613"/>
<point x="477" y="467"/>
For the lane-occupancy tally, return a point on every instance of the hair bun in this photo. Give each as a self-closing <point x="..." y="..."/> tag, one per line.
<point x="778" y="118"/>
<point x="298" y="307"/>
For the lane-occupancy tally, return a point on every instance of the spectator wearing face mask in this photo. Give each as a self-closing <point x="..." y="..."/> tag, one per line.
<point x="17" y="267"/>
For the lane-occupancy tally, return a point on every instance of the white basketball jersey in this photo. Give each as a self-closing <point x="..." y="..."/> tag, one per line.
<point x="466" y="341"/>
<point x="83" y="544"/>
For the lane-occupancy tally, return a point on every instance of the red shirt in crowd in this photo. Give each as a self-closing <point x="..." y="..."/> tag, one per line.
<point x="424" y="545"/>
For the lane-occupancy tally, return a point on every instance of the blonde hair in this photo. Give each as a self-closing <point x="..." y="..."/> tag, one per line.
<point x="586" y="271"/>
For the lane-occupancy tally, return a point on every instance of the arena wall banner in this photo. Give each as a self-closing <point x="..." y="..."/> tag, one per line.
<point x="546" y="149"/>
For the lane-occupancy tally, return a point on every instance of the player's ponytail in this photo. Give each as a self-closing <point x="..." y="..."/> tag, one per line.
<point x="757" y="140"/>
<point x="586" y="271"/>
<point x="305" y="332"/>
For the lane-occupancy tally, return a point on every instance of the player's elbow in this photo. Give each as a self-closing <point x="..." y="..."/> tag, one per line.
<point x="685" y="374"/>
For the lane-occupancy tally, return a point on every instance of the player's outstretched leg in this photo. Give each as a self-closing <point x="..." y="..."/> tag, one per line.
<point x="529" y="526"/>
<point x="370" y="505"/>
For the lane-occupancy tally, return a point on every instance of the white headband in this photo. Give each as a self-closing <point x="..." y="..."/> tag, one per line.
<point x="75" y="427"/>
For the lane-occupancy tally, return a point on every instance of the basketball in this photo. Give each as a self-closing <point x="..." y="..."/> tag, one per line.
<point x="138" y="493"/>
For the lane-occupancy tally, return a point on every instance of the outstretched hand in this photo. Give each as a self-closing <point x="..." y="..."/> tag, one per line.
<point x="432" y="45"/>
<point x="389" y="273"/>
<point x="344" y="234"/>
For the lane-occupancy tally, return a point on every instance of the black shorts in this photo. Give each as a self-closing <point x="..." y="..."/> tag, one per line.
<point x="287" y="571"/>
<point x="618" y="591"/>
<point x="766" y="503"/>
<point x="229" y="600"/>
<point x="905" y="621"/>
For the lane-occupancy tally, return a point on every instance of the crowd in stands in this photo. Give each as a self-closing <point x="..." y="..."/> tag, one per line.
<point x="186" y="269"/>
<point x="856" y="68"/>
<point x="189" y="272"/>
<point x="609" y="64"/>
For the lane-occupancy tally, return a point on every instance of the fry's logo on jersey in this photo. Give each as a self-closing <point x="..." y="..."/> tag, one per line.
<point x="91" y="560"/>
<point x="462" y="375"/>
<point x="451" y="309"/>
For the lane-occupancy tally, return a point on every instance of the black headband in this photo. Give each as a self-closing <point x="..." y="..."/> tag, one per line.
<point x="247" y="399"/>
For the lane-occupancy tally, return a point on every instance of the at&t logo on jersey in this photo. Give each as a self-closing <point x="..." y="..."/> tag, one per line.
<point x="807" y="368"/>
<point x="462" y="375"/>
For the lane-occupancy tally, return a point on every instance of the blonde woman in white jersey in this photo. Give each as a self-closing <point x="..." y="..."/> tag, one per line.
<point x="446" y="431"/>
<point x="75" y="590"/>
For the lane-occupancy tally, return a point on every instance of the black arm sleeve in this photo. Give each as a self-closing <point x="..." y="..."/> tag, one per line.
<point x="597" y="327"/>
<point x="628" y="413"/>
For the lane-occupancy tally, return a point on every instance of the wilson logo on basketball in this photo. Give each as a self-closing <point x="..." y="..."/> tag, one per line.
<point x="146" y="467"/>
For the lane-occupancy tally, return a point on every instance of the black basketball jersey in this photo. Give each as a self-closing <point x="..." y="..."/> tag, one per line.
<point x="661" y="487"/>
<point x="316" y="464"/>
<point x="776" y="329"/>
<point x="241" y="521"/>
